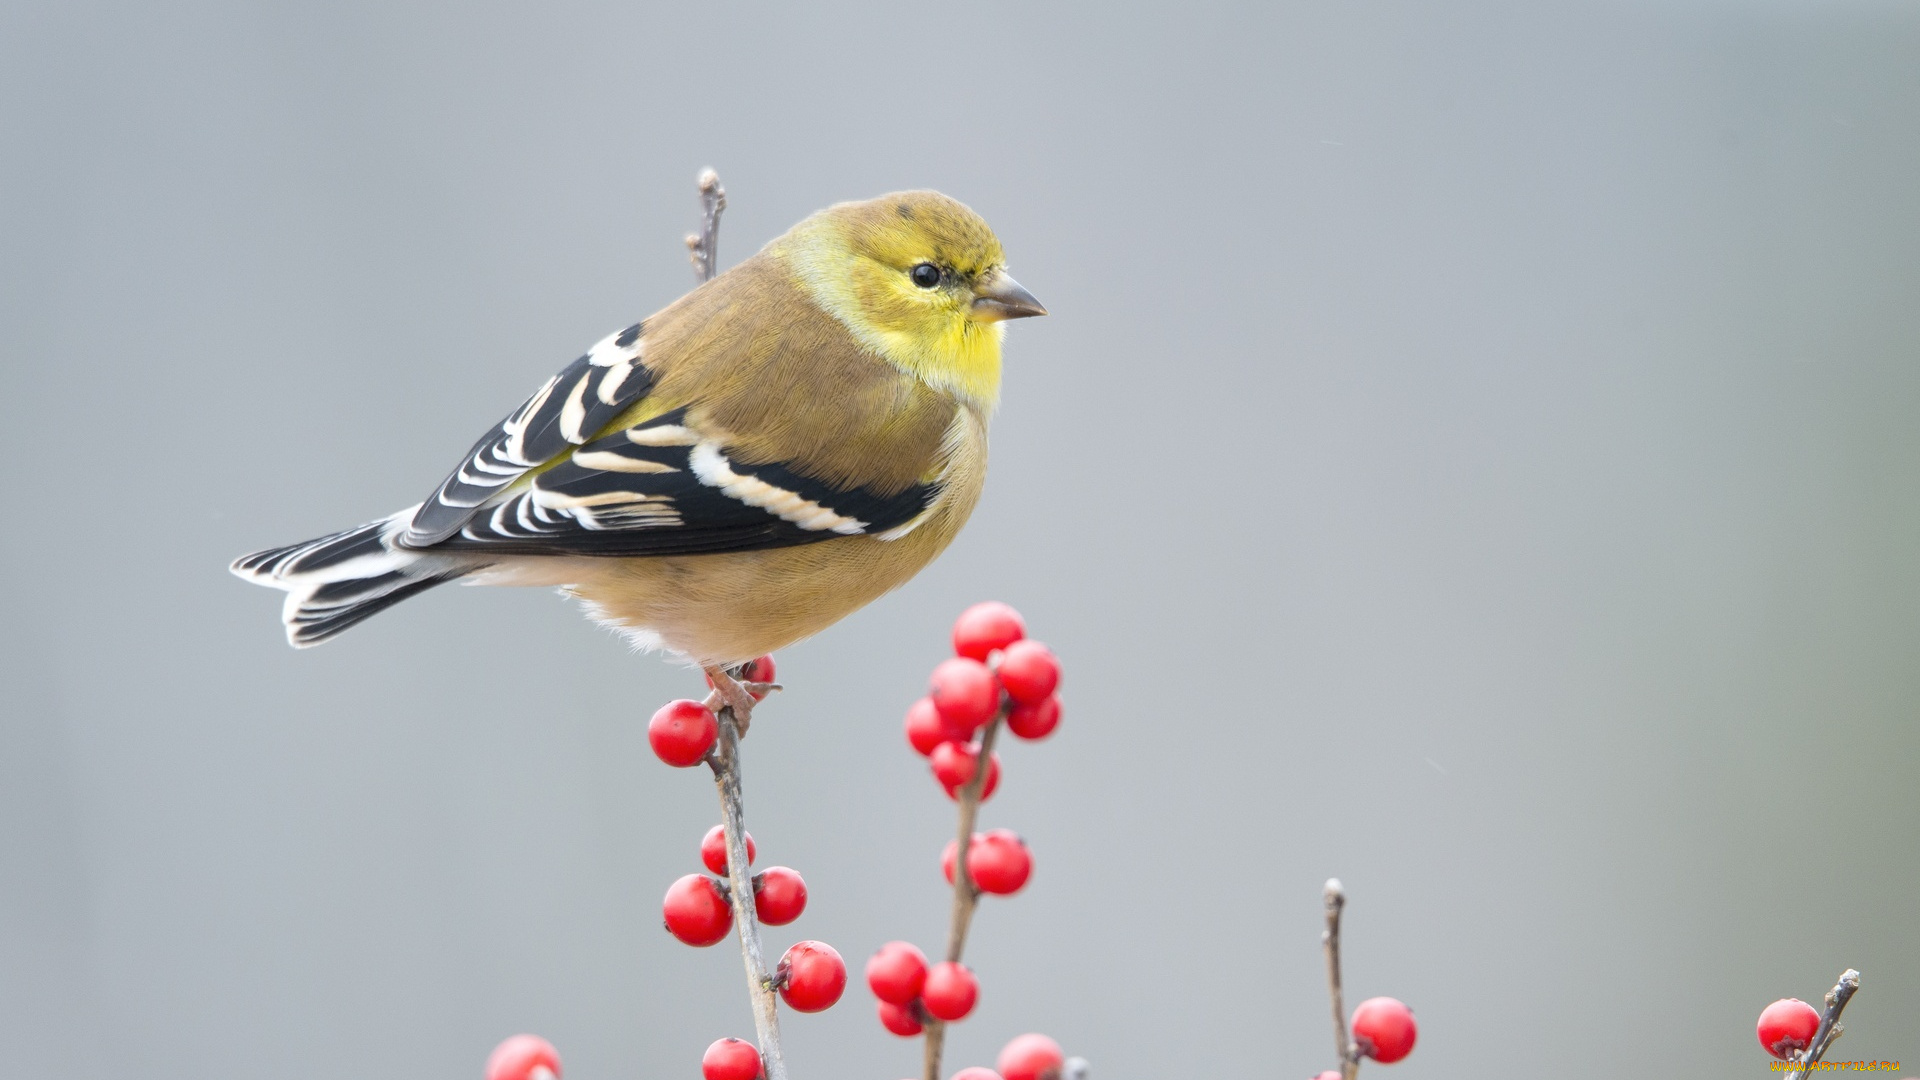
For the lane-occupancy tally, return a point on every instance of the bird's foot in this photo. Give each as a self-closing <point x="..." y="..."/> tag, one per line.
<point x="730" y="693"/>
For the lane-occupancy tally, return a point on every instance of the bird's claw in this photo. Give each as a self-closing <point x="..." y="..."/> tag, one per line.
<point x="729" y="693"/>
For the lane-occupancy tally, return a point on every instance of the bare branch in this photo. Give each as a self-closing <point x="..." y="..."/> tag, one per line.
<point x="1334" y="899"/>
<point x="966" y="895"/>
<point x="725" y="762"/>
<point x="1830" y="1028"/>
<point x="703" y="247"/>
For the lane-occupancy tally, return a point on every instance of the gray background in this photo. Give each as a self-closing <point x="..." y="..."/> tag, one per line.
<point x="1474" y="453"/>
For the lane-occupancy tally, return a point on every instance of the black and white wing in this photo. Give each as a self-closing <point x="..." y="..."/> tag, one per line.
<point x="568" y="411"/>
<point x="547" y="481"/>
<point x="663" y="488"/>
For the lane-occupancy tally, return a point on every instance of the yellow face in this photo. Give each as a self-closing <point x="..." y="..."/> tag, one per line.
<point x="919" y="279"/>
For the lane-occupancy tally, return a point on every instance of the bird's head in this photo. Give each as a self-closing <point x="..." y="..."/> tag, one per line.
<point x="919" y="279"/>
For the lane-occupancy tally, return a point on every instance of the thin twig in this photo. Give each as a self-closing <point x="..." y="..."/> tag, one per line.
<point x="725" y="762"/>
<point x="703" y="247"/>
<point x="1334" y="899"/>
<point x="724" y="759"/>
<point x="966" y="895"/>
<point x="1830" y="1028"/>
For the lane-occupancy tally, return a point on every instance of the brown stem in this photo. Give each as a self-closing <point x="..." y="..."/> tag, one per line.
<point x="1829" y="1028"/>
<point x="1334" y="899"/>
<point x="703" y="247"/>
<point x="725" y="762"/>
<point x="725" y="756"/>
<point x="965" y="894"/>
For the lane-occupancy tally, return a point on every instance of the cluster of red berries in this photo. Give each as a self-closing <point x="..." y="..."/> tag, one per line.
<point x="995" y="667"/>
<point x="911" y="992"/>
<point x="1787" y="1027"/>
<point x="696" y="909"/>
<point x="996" y="672"/>
<point x="1383" y="1029"/>
<point x="810" y="977"/>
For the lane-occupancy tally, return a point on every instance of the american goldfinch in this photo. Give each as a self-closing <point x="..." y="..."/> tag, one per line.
<point x="767" y="455"/>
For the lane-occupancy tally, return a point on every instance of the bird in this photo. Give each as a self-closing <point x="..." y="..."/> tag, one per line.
<point x="768" y="454"/>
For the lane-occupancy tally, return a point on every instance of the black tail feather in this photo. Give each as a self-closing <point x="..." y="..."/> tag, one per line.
<point x="334" y="582"/>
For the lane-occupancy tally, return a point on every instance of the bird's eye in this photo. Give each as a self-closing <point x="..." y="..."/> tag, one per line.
<point x="926" y="275"/>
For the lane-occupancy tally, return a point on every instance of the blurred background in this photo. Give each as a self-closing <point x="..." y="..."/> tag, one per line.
<point x="1473" y="453"/>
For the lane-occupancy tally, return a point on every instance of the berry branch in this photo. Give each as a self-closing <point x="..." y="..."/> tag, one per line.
<point x="998" y="679"/>
<point x="700" y="909"/>
<point x="1383" y="1027"/>
<point x="966" y="895"/>
<point x="1792" y="1031"/>
<point x="724" y="759"/>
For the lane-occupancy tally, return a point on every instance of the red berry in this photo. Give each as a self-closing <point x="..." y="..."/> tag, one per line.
<point x="523" y="1057"/>
<point x="779" y="895"/>
<point x="900" y="1019"/>
<point x="682" y="732"/>
<point x="927" y="729"/>
<point x="713" y="850"/>
<point x="950" y="991"/>
<point x="896" y="973"/>
<point x="959" y="762"/>
<point x="1031" y="1057"/>
<point x="975" y="1073"/>
<point x="811" y="976"/>
<point x="998" y="862"/>
<point x="985" y="627"/>
<point x="695" y="911"/>
<point x="1029" y="671"/>
<point x="1035" y="721"/>
<point x="965" y="693"/>
<point x="953" y="763"/>
<point x="1788" y="1025"/>
<point x="1384" y="1029"/>
<point x="731" y="1059"/>
<point x="759" y="669"/>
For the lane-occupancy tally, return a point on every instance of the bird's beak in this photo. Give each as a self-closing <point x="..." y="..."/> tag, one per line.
<point x="1001" y="297"/>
